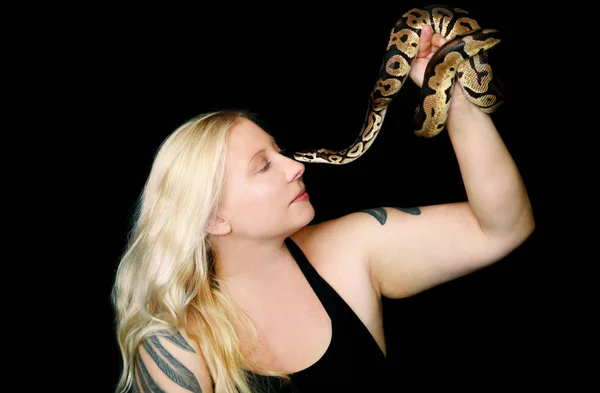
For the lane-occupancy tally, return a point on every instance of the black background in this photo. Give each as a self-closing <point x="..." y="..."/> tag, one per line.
<point x="307" y="71"/>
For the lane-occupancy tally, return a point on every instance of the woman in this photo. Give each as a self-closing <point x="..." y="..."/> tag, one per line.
<point x="226" y="287"/>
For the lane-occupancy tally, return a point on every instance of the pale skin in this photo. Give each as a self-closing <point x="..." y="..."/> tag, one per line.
<point x="363" y="255"/>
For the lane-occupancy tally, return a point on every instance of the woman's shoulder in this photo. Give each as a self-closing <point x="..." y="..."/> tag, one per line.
<point x="338" y="251"/>
<point x="341" y="231"/>
<point x="341" y="236"/>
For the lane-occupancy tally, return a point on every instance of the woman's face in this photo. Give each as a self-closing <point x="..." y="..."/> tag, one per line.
<point x="262" y="186"/>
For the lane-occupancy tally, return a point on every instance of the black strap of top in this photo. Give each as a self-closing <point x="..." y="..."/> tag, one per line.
<point x="330" y="299"/>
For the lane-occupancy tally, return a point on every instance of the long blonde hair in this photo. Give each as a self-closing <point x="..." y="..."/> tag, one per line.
<point x="166" y="276"/>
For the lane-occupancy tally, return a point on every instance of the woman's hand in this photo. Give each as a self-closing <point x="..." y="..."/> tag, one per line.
<point x="429" y="43"/>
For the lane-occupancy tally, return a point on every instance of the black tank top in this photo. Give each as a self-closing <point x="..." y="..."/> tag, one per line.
<point x="352" y="362"/>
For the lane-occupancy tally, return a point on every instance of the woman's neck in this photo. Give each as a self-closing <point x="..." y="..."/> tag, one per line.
<point x="244" y="258"/>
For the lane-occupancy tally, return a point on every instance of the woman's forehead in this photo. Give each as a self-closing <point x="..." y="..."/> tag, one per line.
<point x="246" y="142"/>
<point x="247" y="135"/>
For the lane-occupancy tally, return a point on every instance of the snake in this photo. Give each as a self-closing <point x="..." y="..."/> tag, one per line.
<point x="463" y="58"/>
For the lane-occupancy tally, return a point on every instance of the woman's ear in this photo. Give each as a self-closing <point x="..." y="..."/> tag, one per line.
<point x="218" y="226"/>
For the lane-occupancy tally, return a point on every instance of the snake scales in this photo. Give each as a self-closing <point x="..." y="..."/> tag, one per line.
<point x="463" y="57"/>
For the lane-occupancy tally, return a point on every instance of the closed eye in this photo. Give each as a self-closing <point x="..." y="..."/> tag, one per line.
<point x="268" y="164"/>
<point x="265" y="167"/>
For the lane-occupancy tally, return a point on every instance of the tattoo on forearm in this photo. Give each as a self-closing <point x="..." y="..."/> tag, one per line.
<point x="178" y="340"/>
<point x="380" y="213"/>
<point x="172" y="368"/>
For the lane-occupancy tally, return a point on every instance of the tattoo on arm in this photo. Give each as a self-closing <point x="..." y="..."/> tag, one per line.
<point x="415" y="211"/>
<point x="172" y="368"/>
<point x="380" y="213"/>
<point x="178" y="340"/>
<point x="146" y="381"/>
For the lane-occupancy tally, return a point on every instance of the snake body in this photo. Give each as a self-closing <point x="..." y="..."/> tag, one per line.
<point x="463" y="57"/>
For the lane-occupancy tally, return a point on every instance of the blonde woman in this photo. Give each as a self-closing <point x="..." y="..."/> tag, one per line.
<point x="226" y="286"/>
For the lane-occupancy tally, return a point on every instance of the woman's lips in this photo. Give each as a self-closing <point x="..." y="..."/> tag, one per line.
<point x="301" y="197"/>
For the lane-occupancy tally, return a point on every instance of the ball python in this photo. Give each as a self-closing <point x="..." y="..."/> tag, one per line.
<point x="463" y="57"/>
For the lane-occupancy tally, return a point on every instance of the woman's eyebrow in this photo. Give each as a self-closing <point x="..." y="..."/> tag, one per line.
<point x="273" y="142"/>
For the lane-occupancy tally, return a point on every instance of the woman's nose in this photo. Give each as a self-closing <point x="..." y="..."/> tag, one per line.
<point x="295" y="170"/>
